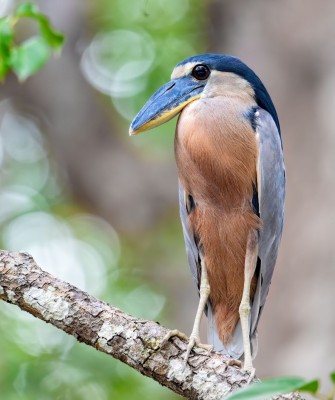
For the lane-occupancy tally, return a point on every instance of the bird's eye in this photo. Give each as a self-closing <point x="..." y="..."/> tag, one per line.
<point x="201" y="72"/>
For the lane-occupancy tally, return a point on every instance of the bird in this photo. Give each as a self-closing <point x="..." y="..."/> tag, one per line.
<point x="231" y="177"/>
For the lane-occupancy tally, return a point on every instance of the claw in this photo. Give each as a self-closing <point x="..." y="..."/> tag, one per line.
<point x="192" y="341"/>
<point x="173" y="333"/>
<point x="252" y="371"/>
<point x="195" y="341"/>
<point x="234" y="363"/>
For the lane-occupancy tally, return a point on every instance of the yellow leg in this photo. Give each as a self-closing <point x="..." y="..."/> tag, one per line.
<point x="195" y="335"/>
<point x="249" y="270"/>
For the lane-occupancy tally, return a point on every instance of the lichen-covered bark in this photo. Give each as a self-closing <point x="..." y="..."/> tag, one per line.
<point x="108" y="329"/>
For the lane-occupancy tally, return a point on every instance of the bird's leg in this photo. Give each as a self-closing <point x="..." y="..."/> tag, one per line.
<point x="204" y="294"/>
<point x="195" y="335"/>
<point x="249" y="270"/>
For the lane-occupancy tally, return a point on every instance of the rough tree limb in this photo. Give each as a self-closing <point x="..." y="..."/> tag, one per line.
<point x="131" y="340"/>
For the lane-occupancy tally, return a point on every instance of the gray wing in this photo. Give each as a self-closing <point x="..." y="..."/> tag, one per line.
<point x="192" y="252"/>
<point x="271" y="197"/>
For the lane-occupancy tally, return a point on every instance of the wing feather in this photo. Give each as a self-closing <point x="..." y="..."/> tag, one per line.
<point x="192" y="251"/>
<point x="271" y="198"/>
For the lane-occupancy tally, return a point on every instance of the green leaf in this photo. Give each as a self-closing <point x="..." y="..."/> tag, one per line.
<point x="6" y="35"/>
<point x="6" y="31"/>
<point x="4" y="68"/>
<point x="268" y="388"/>
<point x="26" y="10"/>
<point x="54" y="38"/>
<point x="29" y="57"/>
<point x="332" y="376"/>
<point x="6" y="41"/>
<point x="32" y="54"/>
<point x="310" y="387"/>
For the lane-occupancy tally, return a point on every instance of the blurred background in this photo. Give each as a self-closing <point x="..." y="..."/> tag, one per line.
<point x="99" y="209"/>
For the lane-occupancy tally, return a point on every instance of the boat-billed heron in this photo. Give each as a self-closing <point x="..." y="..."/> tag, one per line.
<point x="231" y="173"/>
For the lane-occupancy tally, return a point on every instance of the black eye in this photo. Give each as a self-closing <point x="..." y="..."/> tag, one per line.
<point x="201" y="72"/>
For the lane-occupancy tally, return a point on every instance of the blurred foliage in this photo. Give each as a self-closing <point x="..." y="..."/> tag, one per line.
<point x="280" y="386"/>
<point x="134" y="47"/>
<point x="273" y="387"/>
<point x="37" y="361"/>
<point x="32" y="54"/>
<point x="137" y="45"/>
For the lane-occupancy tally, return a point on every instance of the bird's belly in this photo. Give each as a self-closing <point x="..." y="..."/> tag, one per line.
<point x="222" y="238"/>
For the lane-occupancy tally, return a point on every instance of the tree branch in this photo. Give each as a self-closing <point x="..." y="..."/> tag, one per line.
<point x="131" y="340"/>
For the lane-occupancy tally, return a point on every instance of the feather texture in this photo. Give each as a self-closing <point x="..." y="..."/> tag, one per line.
<point x="221" y="160"/>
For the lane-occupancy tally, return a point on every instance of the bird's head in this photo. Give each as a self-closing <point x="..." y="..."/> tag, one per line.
<point x="206" y="75"/>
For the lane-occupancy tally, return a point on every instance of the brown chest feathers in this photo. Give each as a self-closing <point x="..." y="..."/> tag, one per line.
<point x="216" y="155"/>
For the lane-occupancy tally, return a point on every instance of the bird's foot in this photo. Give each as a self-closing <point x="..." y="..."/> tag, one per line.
<point x="192" y="341"/>
<point x="195" y="341"/>
<point x="246" y="367"/>
<point x="173" y="333"/>
<point x="251" y="370"/>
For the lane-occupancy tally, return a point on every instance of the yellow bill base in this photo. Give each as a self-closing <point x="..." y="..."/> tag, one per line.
<point x="163" y="117"/>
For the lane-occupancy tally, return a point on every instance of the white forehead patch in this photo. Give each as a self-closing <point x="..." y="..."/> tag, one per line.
<point x="183" y="70"/>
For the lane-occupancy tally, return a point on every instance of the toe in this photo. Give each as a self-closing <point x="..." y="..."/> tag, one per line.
<point x="234" y="363"/>
<point x="171" y="334"/>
